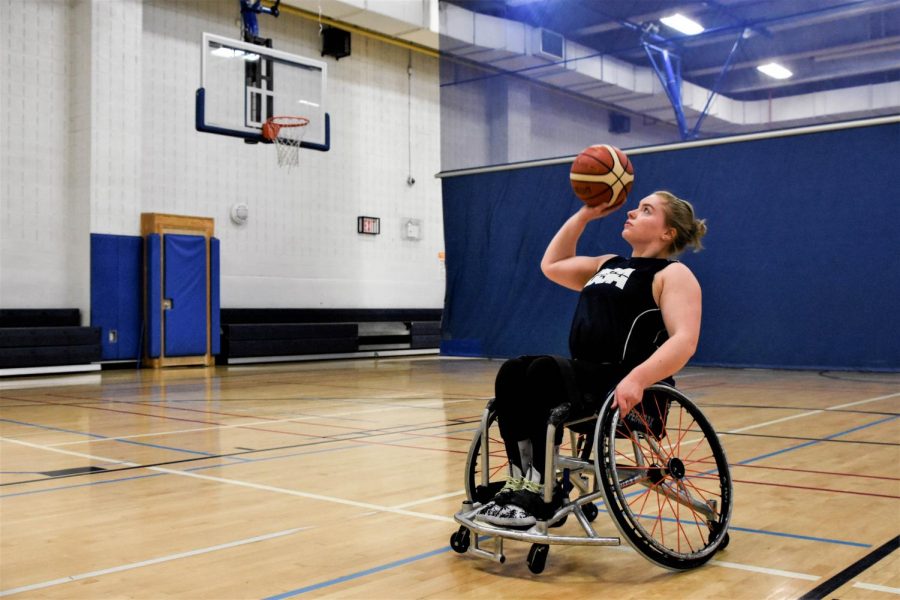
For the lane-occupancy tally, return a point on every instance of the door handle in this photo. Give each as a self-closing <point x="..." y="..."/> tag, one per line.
<point x="167" y="304"/>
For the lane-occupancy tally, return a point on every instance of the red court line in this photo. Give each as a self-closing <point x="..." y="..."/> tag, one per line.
<point x="243" y="416"/>
<point x="815" y="489"/>
<point x="364" y="441"/>
<point x="380" y="431"/>
<point x="817" y="472"/>
<point x="125" y="412"/>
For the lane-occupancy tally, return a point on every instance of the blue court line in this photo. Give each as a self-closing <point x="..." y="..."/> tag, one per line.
<point x="402" y="562"/>
<point x="813" y="442"/>
<point x="80" y="485"/>
<point x="797" y="536"/>
<point x="358" y="574"/>
<point x="445" y="549"/>
<point x="202" y="468"/>
<point x="103" y="437"/>
<point x="49" y="428"/>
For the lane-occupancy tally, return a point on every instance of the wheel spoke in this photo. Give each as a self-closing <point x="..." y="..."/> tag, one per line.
<point x="684" y="469"/>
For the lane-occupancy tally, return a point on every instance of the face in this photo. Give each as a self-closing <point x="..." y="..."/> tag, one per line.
<point x="646" y="224"/>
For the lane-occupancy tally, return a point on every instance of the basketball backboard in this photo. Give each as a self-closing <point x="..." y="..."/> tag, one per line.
<point x="243" y="84"/>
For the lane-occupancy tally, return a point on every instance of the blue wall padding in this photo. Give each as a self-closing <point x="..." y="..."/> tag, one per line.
<point x="185" y="285"/>
<point x="801" y="267"/>
<point x="154" y="295"/>
<point x="116" y="272"/>
<point x="214" y="304"/>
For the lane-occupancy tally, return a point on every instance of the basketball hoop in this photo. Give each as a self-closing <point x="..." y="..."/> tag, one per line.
<point x="287" y="134"/>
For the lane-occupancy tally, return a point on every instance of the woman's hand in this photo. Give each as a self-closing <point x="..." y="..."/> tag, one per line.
<point x="591" y="213"/>
<point x="629" y="393"/>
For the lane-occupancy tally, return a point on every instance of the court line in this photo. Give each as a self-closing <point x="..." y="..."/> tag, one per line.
<point x="308" y="495"/>
<point x="399" y="511"/>
<point x="152" y="561"/>
<point x="373" y="507"/>
<point x="765" y="570"/>
<point x="411" y="559"/>
<point x="252" y="423"/>
<point x="817" y="472"/>
<point x="358" y="574"/>
<point x="877" y="588"/>
<point x="811" y="412"/>
<point x="832" y="583"/>
<point x="427" y="500"/>
<point x="133" y="477"/>
<point x="247" y="484"/>
<point x="812" y="443"/>
<point x="807" y="439"/>
<point x="816" y="489"/>
<point x="432" y="499"/>
<point x="97" y="437"/>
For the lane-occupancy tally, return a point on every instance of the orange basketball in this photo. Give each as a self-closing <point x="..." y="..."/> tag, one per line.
<point x="602" y="174"/>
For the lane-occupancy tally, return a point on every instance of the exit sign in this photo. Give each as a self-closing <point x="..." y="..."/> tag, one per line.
<point x="369" y="225"/>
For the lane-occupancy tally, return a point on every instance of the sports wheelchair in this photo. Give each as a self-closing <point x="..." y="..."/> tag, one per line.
<point x="661" y="474"/>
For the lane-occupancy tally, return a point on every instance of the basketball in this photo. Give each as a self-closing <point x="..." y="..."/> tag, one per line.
<point x="602" y="174"/>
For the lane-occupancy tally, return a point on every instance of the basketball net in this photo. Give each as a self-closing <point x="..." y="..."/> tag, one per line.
<point x="287" y="134"/>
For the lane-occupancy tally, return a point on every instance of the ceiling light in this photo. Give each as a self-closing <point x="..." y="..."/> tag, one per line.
<point x="681" y="23"/>
<point x="774" y="70"/>
<point x="225" y="52"/>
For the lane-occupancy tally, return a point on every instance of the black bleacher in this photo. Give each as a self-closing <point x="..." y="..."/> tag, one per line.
<point x="264" y="332"/>
<point x="46" y="337"/>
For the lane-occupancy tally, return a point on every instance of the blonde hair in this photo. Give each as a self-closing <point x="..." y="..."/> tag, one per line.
<point x="680" y="217"/>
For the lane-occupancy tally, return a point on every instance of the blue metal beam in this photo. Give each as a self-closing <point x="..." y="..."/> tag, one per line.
<point x="669" y="74"/>
<point x="717" y="85"/>
<point x="249" y="10"/>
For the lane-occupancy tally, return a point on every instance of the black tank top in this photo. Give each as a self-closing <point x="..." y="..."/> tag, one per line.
<point x="617" y="321"/>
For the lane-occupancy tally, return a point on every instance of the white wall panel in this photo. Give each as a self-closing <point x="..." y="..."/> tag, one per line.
<point x="97" y="127"/>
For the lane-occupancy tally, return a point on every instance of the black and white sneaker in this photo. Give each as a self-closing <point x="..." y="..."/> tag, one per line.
<point x="515" y="508"/>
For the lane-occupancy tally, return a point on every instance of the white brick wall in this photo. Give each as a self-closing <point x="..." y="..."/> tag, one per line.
<point x="98" y="126"/>
<point x="34" y="137"/>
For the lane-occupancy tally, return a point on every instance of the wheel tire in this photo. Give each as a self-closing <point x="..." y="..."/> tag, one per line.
<point x="724" y="543"/>
<point x="460" y="540"/>
<point x="537" y="558"/>
<point x="475" y="490"/>
<point x="678" y="453"/>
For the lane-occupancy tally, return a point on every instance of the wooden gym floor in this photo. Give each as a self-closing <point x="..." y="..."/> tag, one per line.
<point x="339" y="479"/>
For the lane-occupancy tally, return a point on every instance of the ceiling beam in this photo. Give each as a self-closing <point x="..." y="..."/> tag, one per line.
<point x="887" y="44"/>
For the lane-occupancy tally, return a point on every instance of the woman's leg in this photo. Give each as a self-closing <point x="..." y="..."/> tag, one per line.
<point x="546" y="389"/>
<point x="510" y="390"/>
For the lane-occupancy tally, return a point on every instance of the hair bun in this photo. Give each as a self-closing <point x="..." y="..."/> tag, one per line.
<point x="699" y="228"/>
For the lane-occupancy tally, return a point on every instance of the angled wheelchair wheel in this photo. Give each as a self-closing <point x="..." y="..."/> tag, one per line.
<point x="481" y="487"/>
<point x="665" y="478"/>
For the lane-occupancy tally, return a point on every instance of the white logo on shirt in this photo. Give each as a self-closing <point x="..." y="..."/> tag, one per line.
<point x="617" y="277"/>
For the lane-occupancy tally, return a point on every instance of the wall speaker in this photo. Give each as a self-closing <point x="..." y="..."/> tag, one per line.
<point x="619" y="123"/>
<point x="335" y="42"/>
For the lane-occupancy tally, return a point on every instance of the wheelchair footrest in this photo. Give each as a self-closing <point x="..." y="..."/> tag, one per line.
<point x="533" y="535"/>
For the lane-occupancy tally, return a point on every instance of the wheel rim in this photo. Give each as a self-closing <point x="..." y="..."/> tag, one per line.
<point x="499" y="464"/>
<point x="660" y="489"/>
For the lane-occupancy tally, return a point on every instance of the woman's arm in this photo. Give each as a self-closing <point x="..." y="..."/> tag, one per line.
<point x="680" y="302"/>
<point x="560" y="263"/>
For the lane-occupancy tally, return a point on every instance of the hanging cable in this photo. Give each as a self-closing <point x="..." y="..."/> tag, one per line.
<point x="410" y="180"/>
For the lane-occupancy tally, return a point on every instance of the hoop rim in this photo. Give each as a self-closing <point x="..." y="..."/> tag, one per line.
<point x="291" y="122"/>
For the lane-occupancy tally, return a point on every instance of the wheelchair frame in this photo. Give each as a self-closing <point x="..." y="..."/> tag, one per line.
<point x="673" y="482"/>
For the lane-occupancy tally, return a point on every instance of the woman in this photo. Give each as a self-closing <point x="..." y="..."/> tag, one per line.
<point x="637" y="322"/>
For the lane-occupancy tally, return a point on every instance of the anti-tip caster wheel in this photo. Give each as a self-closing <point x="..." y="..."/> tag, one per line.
<point x="537" y="558"/>
<point x="460" y="540"/>
<point x="724" y="543"/>
<point x="590" y="511"/>
<point x="714" y="529"/>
